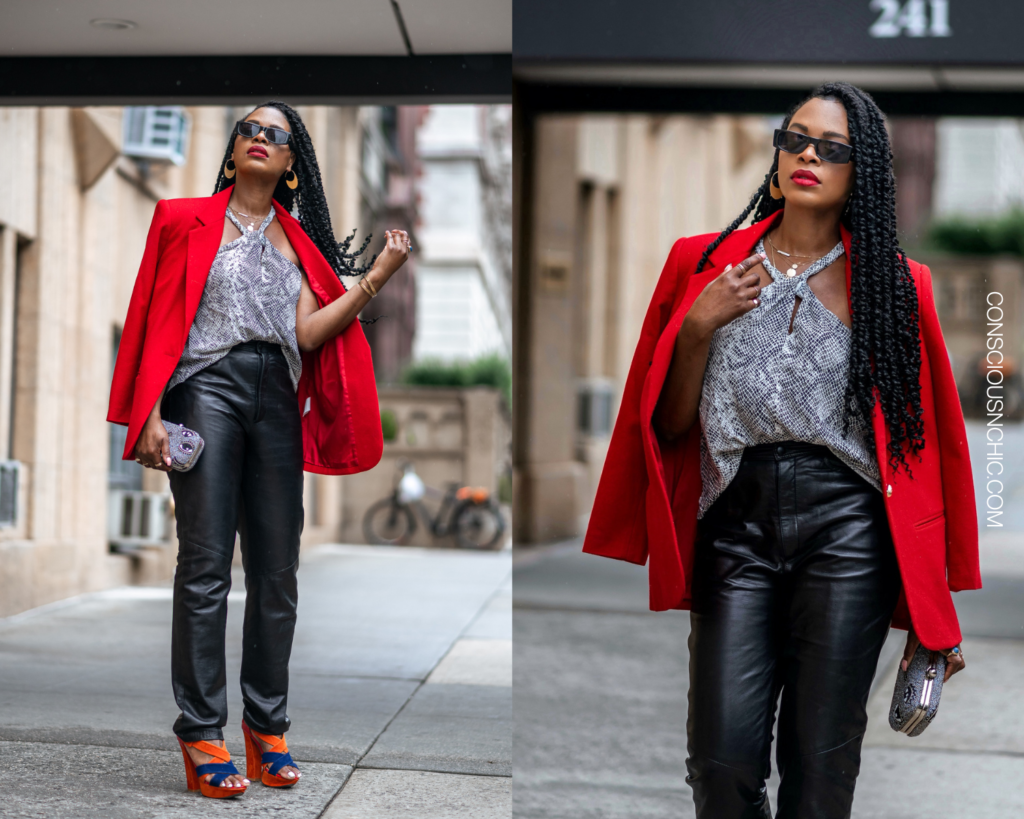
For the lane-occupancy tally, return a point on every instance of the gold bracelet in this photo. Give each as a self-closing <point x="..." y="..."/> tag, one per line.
<point x="373" y="290"/>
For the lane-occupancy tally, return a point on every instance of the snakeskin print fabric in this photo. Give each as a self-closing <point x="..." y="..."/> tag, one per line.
<point x="251" y="294"/>
<point x="763" y="384"/>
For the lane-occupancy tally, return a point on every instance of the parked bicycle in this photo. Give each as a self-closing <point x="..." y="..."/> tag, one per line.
<point x="469" y="514"/>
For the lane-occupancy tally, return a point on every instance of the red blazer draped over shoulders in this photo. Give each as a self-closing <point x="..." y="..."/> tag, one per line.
<point x="646" y="501"/>
<point x="337" y="393"/>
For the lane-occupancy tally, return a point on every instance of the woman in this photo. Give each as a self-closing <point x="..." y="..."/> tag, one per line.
<point x="789" y="520"/>
<point x="239" y="328"/>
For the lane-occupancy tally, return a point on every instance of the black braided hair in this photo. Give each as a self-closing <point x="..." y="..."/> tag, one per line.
<point x="883" y="296"/>
<point x="308" y="199"/>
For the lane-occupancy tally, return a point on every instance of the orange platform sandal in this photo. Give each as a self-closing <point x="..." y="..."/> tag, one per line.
<point x="264" y="765"/>
<point x="206" y="778"/>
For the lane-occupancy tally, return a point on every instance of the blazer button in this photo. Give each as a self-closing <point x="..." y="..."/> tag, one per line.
<point x="888" y="491"/>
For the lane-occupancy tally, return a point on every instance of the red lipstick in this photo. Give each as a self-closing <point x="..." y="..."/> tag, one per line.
<point x="805" y="178"/>
<point x="257" y="150"/>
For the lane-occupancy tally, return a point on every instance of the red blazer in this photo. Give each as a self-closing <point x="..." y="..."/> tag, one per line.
<point x="341" y="431"/>
<point x="646" y="502"/>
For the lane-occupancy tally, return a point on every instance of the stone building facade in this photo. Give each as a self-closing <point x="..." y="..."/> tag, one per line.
<point x="465" y="156"/>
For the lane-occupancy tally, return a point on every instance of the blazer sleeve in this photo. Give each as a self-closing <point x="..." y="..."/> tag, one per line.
<point x="133" y="335"/>
<point x="618" y="524"/>
<point x="962" y="567"/>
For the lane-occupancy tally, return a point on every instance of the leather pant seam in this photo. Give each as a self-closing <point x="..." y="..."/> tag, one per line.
<point x="834" y="748"/>
<point x="291" y="566"/>
<point x="205" y="549"/>
<point x="718" y="762"/>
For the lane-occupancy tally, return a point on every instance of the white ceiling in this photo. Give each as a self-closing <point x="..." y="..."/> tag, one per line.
<point x="272" y="27"/>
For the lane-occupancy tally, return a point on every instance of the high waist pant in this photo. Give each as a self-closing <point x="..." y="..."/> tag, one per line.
<point x="248" y="479"/>
<point x="794" y="584"/>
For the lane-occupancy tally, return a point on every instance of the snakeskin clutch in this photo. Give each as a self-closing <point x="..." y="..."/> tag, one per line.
<point x="915" y="701"/>
<point x="185" y="446"/>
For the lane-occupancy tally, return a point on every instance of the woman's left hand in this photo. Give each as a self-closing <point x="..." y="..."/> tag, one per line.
<point x="396" y="251"/>
<point x="954" y="662"/>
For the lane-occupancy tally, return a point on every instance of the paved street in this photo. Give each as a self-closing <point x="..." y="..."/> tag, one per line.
<point x="400" y="696"/>
<point x="600" y="696"/>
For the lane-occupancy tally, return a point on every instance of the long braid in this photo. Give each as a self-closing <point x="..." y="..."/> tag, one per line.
<point x="308" y="200"/>
<point x="884" y="306"/>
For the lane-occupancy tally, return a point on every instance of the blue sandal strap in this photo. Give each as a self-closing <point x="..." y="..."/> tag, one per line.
<point x="278" y="761"/>
<point x="220" y="771"/>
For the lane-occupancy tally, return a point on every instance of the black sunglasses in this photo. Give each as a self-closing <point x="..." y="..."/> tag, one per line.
<point x="793" y="142"/>
<point x="276" y="135"/>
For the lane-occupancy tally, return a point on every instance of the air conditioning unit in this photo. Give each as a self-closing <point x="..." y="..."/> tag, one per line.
<point x="594" y="407"/>
<point x="10" y="478"/>
<point x="137" y="519"/>
<point x="156" y="132"/>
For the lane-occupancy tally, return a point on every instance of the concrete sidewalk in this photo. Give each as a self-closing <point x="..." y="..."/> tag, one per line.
<point x="600" y="700"/>
<point x="400" y="696"/>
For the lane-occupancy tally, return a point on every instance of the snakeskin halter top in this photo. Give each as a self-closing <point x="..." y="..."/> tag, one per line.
<point x="763" y="384"/>
<point x="251" y="294"/>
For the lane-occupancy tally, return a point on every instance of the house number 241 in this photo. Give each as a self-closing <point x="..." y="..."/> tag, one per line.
<point x="914" y="18"/>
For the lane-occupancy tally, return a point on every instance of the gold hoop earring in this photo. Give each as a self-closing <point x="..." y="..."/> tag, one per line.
<point x="229" y="169"/>
<point x="291" y="180"/>
<point x="774" y="186"/>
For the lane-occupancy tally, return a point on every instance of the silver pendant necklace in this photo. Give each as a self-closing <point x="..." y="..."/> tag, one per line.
<point x="254" y="218"/>
<point x="791" y="271"/>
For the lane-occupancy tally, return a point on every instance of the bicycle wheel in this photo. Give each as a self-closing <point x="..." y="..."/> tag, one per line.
<point x="388" y="523"/>
<point x="477" y="526"/>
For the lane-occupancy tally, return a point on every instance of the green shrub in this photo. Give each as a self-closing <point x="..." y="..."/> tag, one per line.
<point x="979" y="236"/>
<point x="487" y="371"/>
<point x="389" y="425"/>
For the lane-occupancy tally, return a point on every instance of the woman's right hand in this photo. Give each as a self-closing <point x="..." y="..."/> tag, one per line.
<point x="734" y="292"/>
<point x="153" y="449"/>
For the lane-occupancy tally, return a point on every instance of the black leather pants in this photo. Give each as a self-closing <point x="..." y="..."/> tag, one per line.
<point x="794" y="585"/>
<point x="248" y="478"/>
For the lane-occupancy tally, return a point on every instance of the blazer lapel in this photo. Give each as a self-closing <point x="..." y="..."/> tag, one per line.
<point x="203" y="244"/>
<point x="739" y="244"/>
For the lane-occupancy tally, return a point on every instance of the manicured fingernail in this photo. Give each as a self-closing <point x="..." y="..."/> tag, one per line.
<point x="762" y="255"/>
<point x="728" y="267"/>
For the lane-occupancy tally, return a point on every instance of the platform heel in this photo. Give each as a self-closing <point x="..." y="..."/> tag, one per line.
<point x="206" y="778"/>
<point x="264" y="765"/>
